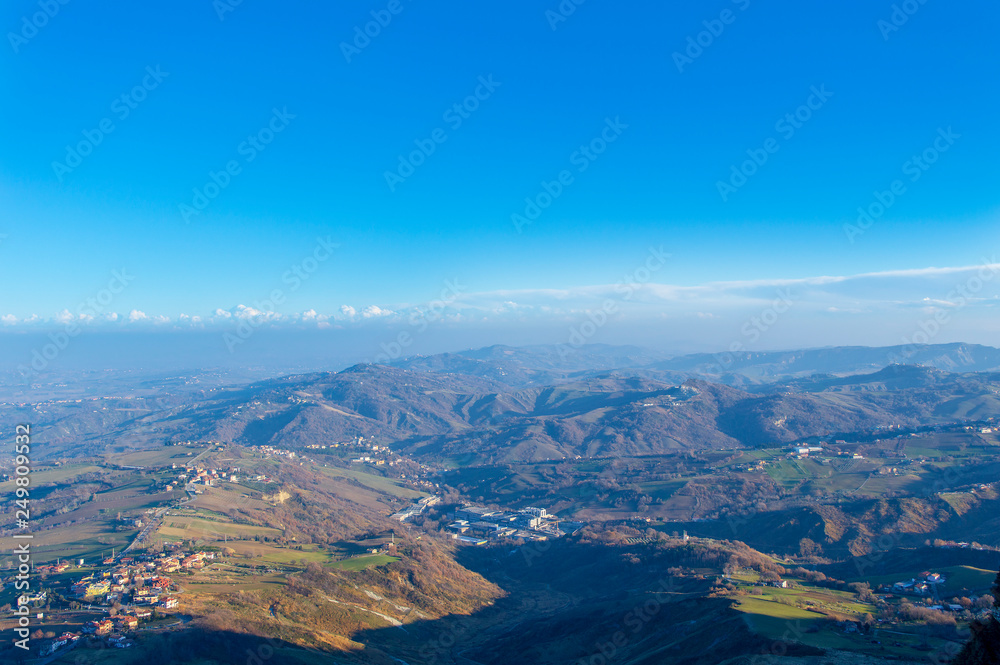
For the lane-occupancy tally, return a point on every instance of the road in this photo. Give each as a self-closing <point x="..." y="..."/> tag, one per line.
<point x="394" y="621"/>
<point x="153" y="523"/>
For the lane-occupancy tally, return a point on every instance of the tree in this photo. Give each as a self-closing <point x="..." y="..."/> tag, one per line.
<point x="983" y="648"/>
<point x="984" y="602"/>
<point x="807" y="547"/>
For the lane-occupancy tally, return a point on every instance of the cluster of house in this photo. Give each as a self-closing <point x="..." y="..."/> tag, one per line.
<point x="376" y="461"/>
<point x="380" y="455"/>
<point x="270" y="451"/>
<point x="140" y="580"/>
<point x="427" y="484"/>
<point x="199" y="475"/>
<point x="120" y="623"/>
<point x="356" y="442"/>
<point x="58" y="567"/>
<point x="920" y="586"/>
<point x="476" y="525"/>
<point x="371" y="453"/>
<point x="50" y="648"/>
<point x="112" y="630"/>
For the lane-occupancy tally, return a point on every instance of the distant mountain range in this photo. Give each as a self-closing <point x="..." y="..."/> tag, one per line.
<point x="503" y="403"/>
<point x="523" y="366"/>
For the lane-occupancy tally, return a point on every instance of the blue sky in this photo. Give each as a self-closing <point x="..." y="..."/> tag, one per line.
<point x="890" y="90"/>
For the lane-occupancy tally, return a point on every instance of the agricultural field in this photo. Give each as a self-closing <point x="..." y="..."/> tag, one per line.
<point x="161" y="457"/>
<point x="227" y="497"/>
<point x="829" y="603"/>
<point x="187" y="524"/>
<point x="88" y="540"/>
<point x="64" y="473"/>
<point x="809" y="615"/>
<point x="356" y="563"/>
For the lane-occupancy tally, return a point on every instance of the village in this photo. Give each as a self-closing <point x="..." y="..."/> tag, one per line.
<point x="368" y="451"/>
<point x="130" y="589"/>
<point x="191" y="477"/>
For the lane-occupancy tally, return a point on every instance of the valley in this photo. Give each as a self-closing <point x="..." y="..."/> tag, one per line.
<point x="693" y="522"/>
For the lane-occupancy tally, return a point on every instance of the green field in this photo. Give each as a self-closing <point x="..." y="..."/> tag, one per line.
<point x="160" y="457"/>
<point x="357" y="563"/>
<point x="188" y="525"/>
<point x="662" y="489"/>
<point x="53" y="474"/>
<point x="90" y="539"/>
<point x="752" y="605"/>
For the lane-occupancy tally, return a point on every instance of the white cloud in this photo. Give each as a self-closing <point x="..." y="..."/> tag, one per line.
<point x="248" y="313"/>
<point x="374" y="311"/>
<point x="874" y="293"/>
